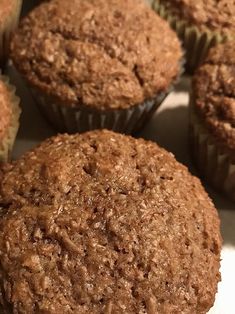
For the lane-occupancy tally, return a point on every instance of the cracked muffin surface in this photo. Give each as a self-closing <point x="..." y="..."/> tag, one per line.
<point x="88" y="224"/>
<point x="104" y="54"/>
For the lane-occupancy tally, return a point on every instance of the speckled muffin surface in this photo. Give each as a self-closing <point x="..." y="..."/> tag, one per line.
<point x="103" y="54"/>
<point x="89" y="226"/>
<point x="214" y="95"/>
<point x="205" y="14"/>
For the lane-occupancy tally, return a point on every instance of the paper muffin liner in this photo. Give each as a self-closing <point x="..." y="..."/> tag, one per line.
<point x="7" y="26"/>
<point x="196" y="42"/>
<point x="7" y="143"/>
<point x="214" y="164"/>
<point x="72" y="119"/>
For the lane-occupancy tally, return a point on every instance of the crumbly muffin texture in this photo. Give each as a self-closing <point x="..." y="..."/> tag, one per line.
<point x="209" y="15"/>
<point x="105" y="223"/>
<point x="104" y="54"/>
<point x="214" y="95"/>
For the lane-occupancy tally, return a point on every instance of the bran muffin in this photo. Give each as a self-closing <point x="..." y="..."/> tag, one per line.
<point x="9" y="16"/>
<point x="213" y="118"/>
<point x="89" y="226"/>
<point x="200" y="24"/>
<point x="9" y="118"/>
<point x="97" y="63"/>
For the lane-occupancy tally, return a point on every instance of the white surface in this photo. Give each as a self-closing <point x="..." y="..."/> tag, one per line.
<point x="169" y="128"/>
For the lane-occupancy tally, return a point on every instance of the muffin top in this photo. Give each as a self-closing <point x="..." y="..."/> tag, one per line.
<point x="103" y="54"/>
<point x="5" y="109"/>
<point x="214" y="94"/>
<point x="210" y="15"/>
<point x="90" y="225"/>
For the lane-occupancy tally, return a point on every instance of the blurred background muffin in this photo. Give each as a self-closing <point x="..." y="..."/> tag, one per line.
<point x="94" y="64"/>
<point x="212" y="118"/>
<point x="9" y="118"/>
<point x="9" y="16"/>
<point x="200" y="24"/>
<point x="90" y="225"/>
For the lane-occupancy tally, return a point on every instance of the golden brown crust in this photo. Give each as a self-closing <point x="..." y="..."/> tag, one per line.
<point x="214" y="95"/>
<point x="105" y="223"/>
<point x="105" y="54"/>
<point x="209" y="15"/>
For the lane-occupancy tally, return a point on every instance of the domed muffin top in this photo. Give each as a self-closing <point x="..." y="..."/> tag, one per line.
<point x="214" y="94"/>
<point x="5" y="110"/>
<point x="209" y="15"/>
<point x="103" y="54"/>
<point x="105" y="223"/>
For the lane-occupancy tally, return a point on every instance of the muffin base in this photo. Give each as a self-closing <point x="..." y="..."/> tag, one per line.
<point x="215" y="165"/>
<point x="196" y="43"/>
<point x="6" y="28"/>
<point x="74" y="119"/>
<point x="7" y="144"/>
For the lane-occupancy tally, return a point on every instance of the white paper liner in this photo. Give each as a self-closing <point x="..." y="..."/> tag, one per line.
<point x="7" y="26"/>
<point x="216" y="166"/>
<point x="196" y="42"/>
<point x="7" y="144"/>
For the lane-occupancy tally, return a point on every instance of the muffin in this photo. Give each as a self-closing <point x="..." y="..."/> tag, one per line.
<point x="200" y="24"/>
<point x="9" y="16"/>
<point x="94" y="64"/>
<point x="89" y="225"/>
<point x="212" y="118"/>
<point x="9" y="118"/>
